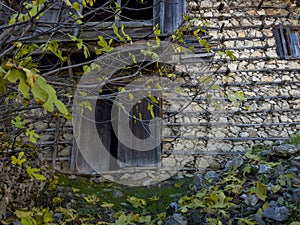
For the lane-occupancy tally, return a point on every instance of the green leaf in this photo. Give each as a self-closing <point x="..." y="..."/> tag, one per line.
<point x="246" y="221"/>
<point x="32" y="173"/>
<point x="18" y="122"/>
<point x="261" y="191"/>
<point x="153" y="99"/>
<point x="76" y="6"/>
<point x="240" y="96"/>
<point x="28" y="221"/>
<point x="107" y="205"/>
<point x="14" y="75"/>
<point x="253" y="157"/>
<point x="86" y="51"/>
<point x="137" y="202"/>
<point x="32" y="135"/>
<point x="46" y="95"/>
<point x="67" y="2"/>
<point x="128" y="38"/>
<point x="73" y="38"/>
<point x="206" y="79"/>
<point x="150" y="108"/>
<point x="116" y="31"/>
<point x="217" y="200"/>
<point x="230" y="54"/>
<point x="53" y="47"/>
<point x="18" y="160"/>
<point x="131" y="96"/>
<point x="23" y="214"/>
<point x="92" y="199"/>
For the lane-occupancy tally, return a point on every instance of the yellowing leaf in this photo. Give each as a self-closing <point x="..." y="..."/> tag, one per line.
<point x="32" y="173"/>
<point x="91" y="199"/>
<point x="107" y="205"/>
<point x="32" y="135"/>
<point x="18" y="160"/>
<point x="137" y="202"/>
<point x="261" y="191"/>
<point x="154" y="198"/>
<point x="150" y="108"/>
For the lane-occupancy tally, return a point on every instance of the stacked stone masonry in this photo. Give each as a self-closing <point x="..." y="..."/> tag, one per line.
<point x="206" y="136"/>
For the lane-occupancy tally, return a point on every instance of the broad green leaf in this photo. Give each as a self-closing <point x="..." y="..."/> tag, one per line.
<point x="61" y="107"/>
<point x="144" y="219"/>
<point x="31" y="75"/>
<point x="230" y="54"/>
<point x="276" y="188"/>
<point x="76" y="6"/>
<point x="13" y="76"/>
<point x="46" y="95"/>
<point x="261" y="191"/>
<point x="32" y="173"/>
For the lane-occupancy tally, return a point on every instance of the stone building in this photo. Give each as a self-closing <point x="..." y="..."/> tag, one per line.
<point x="257" y="100"/>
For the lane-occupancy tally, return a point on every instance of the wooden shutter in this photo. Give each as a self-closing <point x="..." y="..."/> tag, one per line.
<point x="169" y="14"/>
<point x="140" y="129"/>
<point x="287" y="41"/>
<point x="89" y="156"/>
<point x="56" y="14"/>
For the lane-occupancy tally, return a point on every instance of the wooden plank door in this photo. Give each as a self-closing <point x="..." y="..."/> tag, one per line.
<point x="140" y="128"/>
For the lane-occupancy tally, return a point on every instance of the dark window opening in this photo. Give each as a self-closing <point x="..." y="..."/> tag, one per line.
<point x="103" y="11"/>
<point x="287" y="41"/>
<point x="106" y="11"/>
<point x="137" y="10"/>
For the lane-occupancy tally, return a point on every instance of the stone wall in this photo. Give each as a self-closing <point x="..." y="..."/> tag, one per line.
<point x="211" y="130"/>
<point x="271" y="85"/>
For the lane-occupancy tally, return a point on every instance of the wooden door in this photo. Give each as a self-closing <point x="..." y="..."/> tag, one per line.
<point x="139" y="124"/>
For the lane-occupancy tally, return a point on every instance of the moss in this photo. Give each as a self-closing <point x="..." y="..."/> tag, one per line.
<point x="295" y="139"/>
<point x="157" y="197"/>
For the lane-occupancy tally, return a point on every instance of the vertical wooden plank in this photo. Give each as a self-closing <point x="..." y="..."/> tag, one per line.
<point x="89" y="142"/>
<point x="283" y="41"/>
<point x="174" y="9"/>
<point x="295" y="46"/>
<point x="278" y="42"/>
<point x="289" y="41"/>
